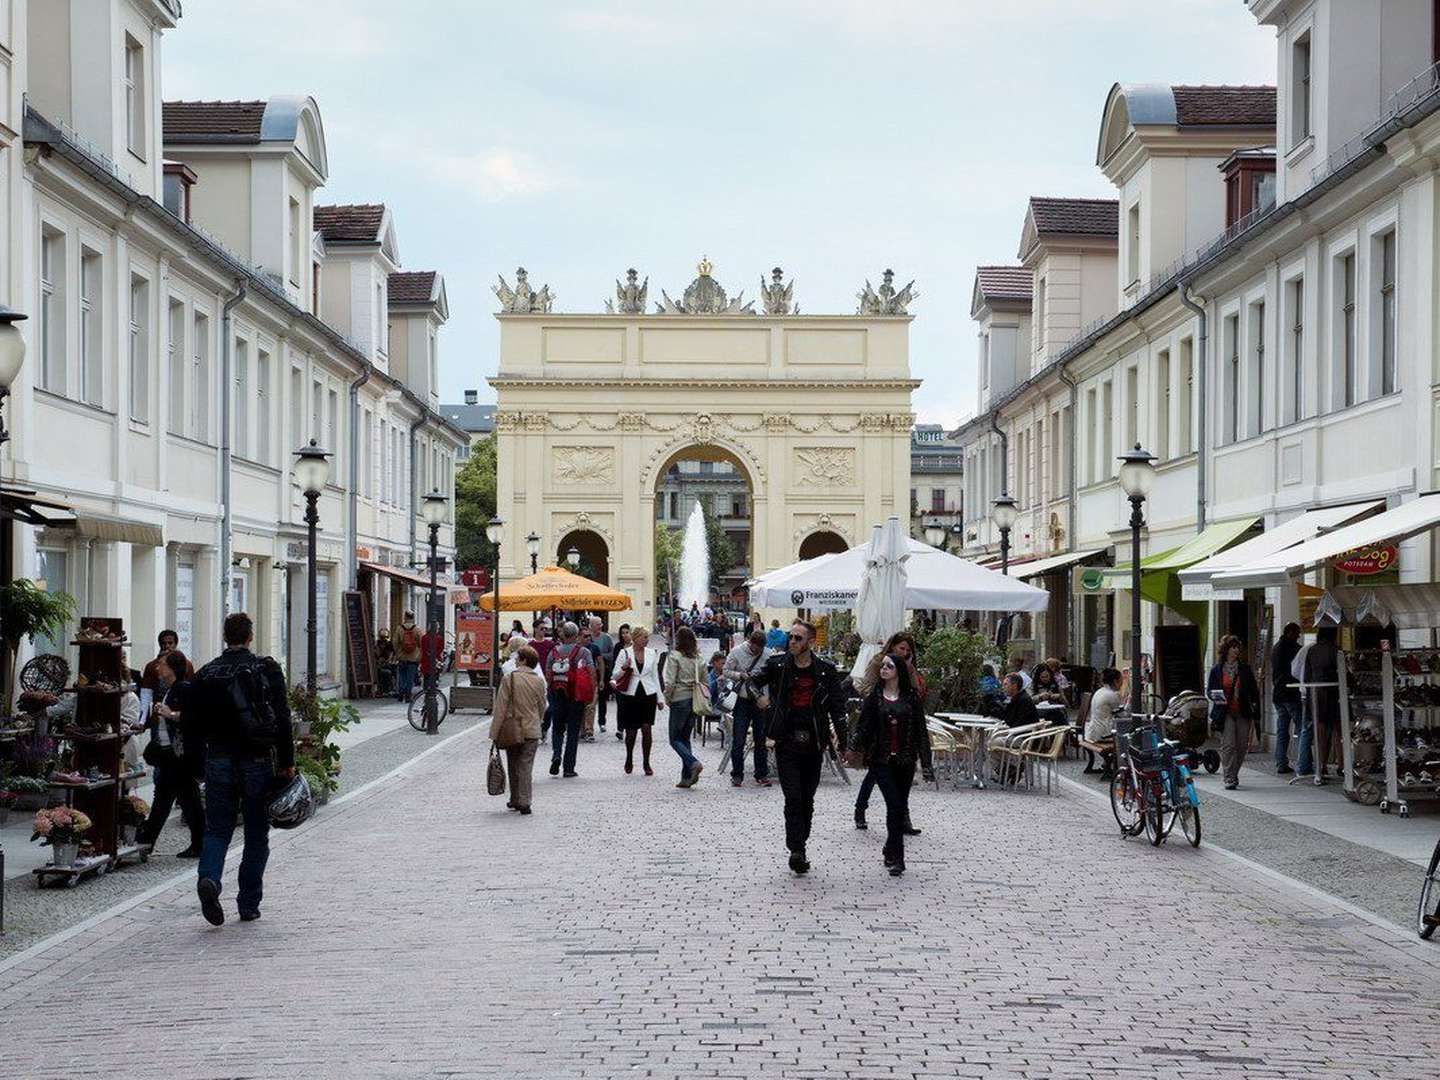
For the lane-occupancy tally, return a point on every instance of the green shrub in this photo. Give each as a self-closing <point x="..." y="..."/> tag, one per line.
<point x="950" y="661"/>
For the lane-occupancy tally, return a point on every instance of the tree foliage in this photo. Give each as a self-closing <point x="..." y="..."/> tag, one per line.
<point x="668" y="545"/>
<point x="475" y="487"/>
<point x="722" y="551"/>
<point x="950" y="659"/>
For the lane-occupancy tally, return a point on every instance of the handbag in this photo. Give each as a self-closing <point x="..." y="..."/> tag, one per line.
<point x="621" y="682"/>
<point x="495" y="773"/>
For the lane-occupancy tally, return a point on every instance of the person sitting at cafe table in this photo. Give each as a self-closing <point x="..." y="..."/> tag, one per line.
<point x="1019" y="706"/>
<point x="1043" y="687"/>
<point x="1104" y="704"/>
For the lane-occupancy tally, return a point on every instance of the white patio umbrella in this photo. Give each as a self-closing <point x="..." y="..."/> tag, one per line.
<point x="933" y="580"/>
<point x="880" y="603"/>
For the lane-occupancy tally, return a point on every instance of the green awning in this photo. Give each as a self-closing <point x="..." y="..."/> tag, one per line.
<point x="1118" y="576"/>
<point x="1210" y="542"/>
<point x="1159" y="574"/>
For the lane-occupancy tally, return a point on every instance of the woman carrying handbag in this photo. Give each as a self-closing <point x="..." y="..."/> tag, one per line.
<point x="515" y="727"/>
<point x="1234" y="706"/>
<point x="638" y="694"/>
<point x="682" y="681"/>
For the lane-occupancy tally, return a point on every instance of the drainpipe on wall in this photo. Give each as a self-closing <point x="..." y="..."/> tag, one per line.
<point x="352" y="532"/>
<point x="227" y="349"/>
<point x="1073" y="627"/>
<point x="1201" y="382"/>
<point x="1004" y="451"/>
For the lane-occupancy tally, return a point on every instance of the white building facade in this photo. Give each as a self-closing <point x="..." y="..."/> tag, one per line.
<point x="181" y="346"/>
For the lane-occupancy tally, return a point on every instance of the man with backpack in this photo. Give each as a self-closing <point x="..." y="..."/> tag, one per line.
<point x="406" y="638"/>
<point x="241" y="719"/>
<point x="570" y="678"/>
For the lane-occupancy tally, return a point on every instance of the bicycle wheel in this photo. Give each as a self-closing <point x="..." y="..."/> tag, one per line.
<point x="1124" y="805"/>
<point x="415" y="711"/>
<point x="1428" y="917"/>
<point x="1155" y="814"/>
<point x="1190" y="823"/>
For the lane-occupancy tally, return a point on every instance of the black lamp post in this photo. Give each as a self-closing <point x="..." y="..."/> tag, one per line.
<point x="1004" y="514"/>
<point x="312" y="469"/>
<point x="12" y="355"/>
<point x="532" y="544"/>
<point x="432" y="510"/>
<point x="494" y="530"/>
<point x="1137" y="473"/>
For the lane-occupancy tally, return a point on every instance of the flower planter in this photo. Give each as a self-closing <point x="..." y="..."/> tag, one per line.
<point x="64" y="854"/>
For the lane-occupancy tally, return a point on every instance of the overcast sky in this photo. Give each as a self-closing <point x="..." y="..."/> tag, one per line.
<point x="832" y="138"/>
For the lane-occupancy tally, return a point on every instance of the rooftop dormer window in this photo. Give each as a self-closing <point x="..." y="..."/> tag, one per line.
<point x="1300" y="111"/>
<point x="135" y="96"/>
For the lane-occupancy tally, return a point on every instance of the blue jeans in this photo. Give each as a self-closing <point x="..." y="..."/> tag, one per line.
<point x="682" y="723"/>
<point x="745" y="717"/>
<point x="565" y="716"/>
<point x="233" y="785"/>
<point x="1288" y="714"/>
<point x="1304" y="758"/>
<point x="405" y="671"/>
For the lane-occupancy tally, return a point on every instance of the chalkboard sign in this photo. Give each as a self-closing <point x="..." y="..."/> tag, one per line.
<point x="359" y="644"/>
<point x="1177" y="660"/>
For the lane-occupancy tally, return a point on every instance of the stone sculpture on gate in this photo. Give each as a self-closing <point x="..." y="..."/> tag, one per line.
<point x="778" y="295"/>
<point x="704" y="296"/>
<point x="523" y="300"/>
<point x="630" y="297"/>
<point x="887" y="301"/>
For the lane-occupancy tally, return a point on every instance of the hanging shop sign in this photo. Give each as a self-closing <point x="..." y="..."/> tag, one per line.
<point x="1368" y="561"/>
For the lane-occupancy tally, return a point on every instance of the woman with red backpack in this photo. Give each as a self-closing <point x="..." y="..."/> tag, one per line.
<point x="570" y="679"/>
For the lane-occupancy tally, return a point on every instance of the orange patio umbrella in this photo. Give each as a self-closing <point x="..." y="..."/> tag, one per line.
<point x="554" y="587"/>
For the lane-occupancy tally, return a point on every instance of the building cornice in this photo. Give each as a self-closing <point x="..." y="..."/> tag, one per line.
<point x="522" y="382"/>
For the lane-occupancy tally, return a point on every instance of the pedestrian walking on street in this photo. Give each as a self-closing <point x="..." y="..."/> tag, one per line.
<point x="570" y="675"/>
<point x="639" y="694"/>
<point x="1285" y="695"/>
<point x="242" y="733"/>
<point x="592" y="707"/>
<point x="175" y="779"/>
<point x="515" y="727"/>
<point x="681" y="679"/>
<point x="1322" y="665"/>
<point x="1234" y="708"/>
<point x="406" y="640"/>
<point x="153" y="677"/>
<point x="604" y="653"/>
<point x="744" y="666"/>
<point x="890" y="737"/>
<point x="620" y="643"/>
<point x="901" y="646"/>
<point x="801" y="693"/>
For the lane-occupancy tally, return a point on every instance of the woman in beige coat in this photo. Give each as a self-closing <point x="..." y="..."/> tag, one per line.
<point x="515" y="728"/>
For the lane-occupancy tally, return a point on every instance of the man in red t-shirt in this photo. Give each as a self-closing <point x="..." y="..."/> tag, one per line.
<point x="432" y="650"/>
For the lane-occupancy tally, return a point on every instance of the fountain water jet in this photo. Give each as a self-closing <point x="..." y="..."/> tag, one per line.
<point x="694" y="561"/>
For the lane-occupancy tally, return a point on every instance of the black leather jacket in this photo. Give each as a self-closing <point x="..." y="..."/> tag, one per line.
<point x="871" y="738"/>
<point x="827" y="708"/>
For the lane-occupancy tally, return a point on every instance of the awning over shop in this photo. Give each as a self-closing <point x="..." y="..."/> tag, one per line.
<point x="97" y="526"/>
<point x="1196" y="581"/>
<point x="1399" y="523"/>
<point x="455" y="593"/>
<point x="1408" y="607"/>
<point x="1159" y="580"/>
<point x="23" y="504"/>
<point x="1118" y="576"/>
<point x="1052" y="563"/>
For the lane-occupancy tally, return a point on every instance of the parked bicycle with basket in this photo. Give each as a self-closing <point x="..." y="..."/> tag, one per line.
<point x="1152" y="787"/>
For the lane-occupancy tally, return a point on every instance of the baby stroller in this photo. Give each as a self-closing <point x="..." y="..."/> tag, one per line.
<point x="1187" y="721"/>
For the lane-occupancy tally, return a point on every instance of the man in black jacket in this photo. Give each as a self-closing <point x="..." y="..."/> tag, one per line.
<point x="802" y="695"/>
<point x="1285" y="695"/>
<point x="242" y="720"/>
<point x="1020" y="709"/>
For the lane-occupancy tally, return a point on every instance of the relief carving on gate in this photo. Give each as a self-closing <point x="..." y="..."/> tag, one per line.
<point x="583" y="465"/>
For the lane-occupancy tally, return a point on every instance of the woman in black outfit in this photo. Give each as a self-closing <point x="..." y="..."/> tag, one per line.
<point x="165" y="753"/>
<point x="622" y="642"/>
<point x="890" y="736"/>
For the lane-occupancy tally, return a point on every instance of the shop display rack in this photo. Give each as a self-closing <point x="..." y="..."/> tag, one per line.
<point x="1398" y="691"/>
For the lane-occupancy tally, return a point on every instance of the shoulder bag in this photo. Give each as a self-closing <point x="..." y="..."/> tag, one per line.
<point x="621" y="682"/>
<point x="495" y="772"/>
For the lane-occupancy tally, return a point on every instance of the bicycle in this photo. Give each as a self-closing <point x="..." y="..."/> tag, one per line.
<point x="417" y="712"/>
<point x="1152" y="787"/>
<point x="1427" y="918"/>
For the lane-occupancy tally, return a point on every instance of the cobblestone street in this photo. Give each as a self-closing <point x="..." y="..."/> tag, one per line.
<point x="629" y="929"/>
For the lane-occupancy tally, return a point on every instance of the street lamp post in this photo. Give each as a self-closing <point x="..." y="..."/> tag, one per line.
<point x="1137" y="473"/>
<point x="312" y="469"/>
<point x="494" y="530"/>
<point x="432" y="510"/>
<point x="1004" y="514"/>
<point x="532" y="544"/>
<point x="12" y="355"/>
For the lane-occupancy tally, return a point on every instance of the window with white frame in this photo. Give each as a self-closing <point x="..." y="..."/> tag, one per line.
<point x="983" y="361"/>
<point x="1294" y="370"/>
<point x="297" y="408"/>
<point x="1346" y="358"/>
<point x="92" y="328"/>
<point x="367" y="457"/>
<point x="380" y="319"/>
<point x="52" y="310"/>
<point x="1037" y="452"/>
<point x="1300" y="102"/>
<point x="1132" y="241"/>
<point x="317" y="412"/>
<point x="176" y="363"/>
<point x="1161" y="442"/>
<point x="1092" y="418"/>
<point x="240" y="435"/>
<point x="1230" y="379"/>
<point x="134" y="96"/>
<point x="298" y="262"/>
<point x="1185" y="384"/>
<point x="385" y="474"/>
<point x="334" y="434"/>
<point x="1132" y="403"/>
<point x="1255" y="391"/>
<point x="200" y="377"/>
<point x="262" y="407"/>
<point x="1107" y="429"/>
<point x="139" y="351"/>
<point x="1383" y="275"/>
<point x="1041" y="327"/>
<point x="434" y="364"/>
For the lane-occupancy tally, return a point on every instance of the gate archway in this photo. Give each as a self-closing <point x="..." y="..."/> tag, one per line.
<point x="822" y="542"/>
<point x="594" y="554"/>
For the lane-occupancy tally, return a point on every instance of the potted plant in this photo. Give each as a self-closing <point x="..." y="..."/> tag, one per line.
<point x="31" y="793"/>
<point x="62" y="827"/>
<point x="133" y="812"/>
<point x="26" y="610"/>
<point x="317" y="719"/>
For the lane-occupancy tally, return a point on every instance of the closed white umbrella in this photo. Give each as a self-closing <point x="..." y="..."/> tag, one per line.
<point x="880" y="604"/>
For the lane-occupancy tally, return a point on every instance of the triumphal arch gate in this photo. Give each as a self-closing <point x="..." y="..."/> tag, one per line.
<point x="593" y="410"/>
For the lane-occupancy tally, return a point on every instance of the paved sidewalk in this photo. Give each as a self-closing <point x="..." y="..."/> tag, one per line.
<point x="630" y="929"/>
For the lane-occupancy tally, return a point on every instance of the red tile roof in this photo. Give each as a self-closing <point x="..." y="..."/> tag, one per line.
<point x="412" y="287"/>
<point x="350" y="224"/>
<point x="213" y="121"/>
<point x="1224" y="106"/>
<point x="1004" y="282"/>
<point x="1076" y="217"/>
